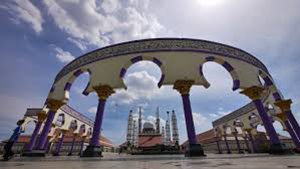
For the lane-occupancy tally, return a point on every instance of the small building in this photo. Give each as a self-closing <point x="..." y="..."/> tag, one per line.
<point x="18" y="148"/>
<point x="210" y="142"/>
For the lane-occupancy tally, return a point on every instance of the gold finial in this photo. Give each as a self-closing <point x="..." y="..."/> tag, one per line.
<point x="254" y="92"/>
<point x="183" y="86"/>
<point x="103" y="91"/>
<point x="282" y="116"/>
<point x="284" y="105"/>
<point x="54" y="105"/>
<point x="41" y="116"/>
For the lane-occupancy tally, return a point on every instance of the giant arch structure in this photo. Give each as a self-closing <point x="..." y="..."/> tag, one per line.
<point x="181" y="61"/>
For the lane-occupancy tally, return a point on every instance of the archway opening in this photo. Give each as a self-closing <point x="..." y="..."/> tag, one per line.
<point x="218" y="100"/>
<point x="280" y="129"/>
<point x="29" y="127"/>
<point x="60" y="120"/>
<point x="77" y="96"/>
<point x="142" y="94"/>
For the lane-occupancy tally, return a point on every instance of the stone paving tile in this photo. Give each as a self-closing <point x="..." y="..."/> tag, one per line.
<point x="115" y="161"/>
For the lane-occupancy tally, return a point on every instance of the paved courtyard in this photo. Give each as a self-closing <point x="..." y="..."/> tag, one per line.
<point x="115" y="161"/>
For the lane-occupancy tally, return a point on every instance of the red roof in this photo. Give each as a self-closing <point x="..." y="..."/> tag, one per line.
<point x="67" y="139"/>
<point x="149" y="141"/>
<point x="209" y="137"/>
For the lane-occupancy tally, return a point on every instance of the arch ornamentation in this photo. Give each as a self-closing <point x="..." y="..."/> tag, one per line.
<point x="178" y="58"/>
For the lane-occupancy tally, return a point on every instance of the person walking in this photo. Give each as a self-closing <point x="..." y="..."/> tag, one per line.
<point x="8" y="153"/>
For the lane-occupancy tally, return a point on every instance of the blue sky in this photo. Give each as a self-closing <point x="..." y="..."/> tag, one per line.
<point x="39" y="37"/>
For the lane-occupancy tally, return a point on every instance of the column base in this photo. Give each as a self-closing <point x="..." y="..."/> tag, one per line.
<point x="55" y="154"/>
<point x="279" y="149"/>
<point x="297" y="150"/>
<point x="92" y="151"/>
<point x="34" y="153"/>
<point x="194" y="150"/>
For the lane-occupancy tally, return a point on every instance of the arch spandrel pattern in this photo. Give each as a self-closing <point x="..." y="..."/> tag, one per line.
<point x="106" y="63"/>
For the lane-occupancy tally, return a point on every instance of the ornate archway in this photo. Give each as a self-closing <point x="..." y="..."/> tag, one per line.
<point x="180" y="61"/>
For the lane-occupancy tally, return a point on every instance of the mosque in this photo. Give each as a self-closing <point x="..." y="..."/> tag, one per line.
<point x="149" y="138"/>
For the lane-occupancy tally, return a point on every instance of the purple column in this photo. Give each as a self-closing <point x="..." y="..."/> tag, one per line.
<point x="34" y="136"/>
<point x="72" y="146"/>
<point x="293" y="122"/>
<point x="48" y="145"/>
<point x="58" y="146"/>
<point x="227" y="146"/>
<point x="46" y="129"/>
<point x="267" y="122"/>
<point x="189" y="119"/>
<point x="238" y="143"/>
<point x="292" y="134"/>
<point x="98" y="123"/>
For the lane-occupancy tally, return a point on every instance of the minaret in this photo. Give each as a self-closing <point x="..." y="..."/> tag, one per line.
<point x="175" y="133"/>
<point x="140" y="120"/>
<point x="157" y="121"/>
<point x="135" y="134"/>
<point x="130" y="128"/>
<point x="168" y="132"/>
<point x="163" y="135"/>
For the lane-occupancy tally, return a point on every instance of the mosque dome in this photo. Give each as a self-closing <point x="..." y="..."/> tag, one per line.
<point x="148" y="125"/>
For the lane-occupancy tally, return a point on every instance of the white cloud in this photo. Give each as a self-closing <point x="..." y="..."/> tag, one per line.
<point x="92" y="109"/>
<point x="24" y="10"/>
<point x="110" y="6"/>
<point x="88" y="24"/>
<point x="139" y="85"/>
<point x="63" y="56"/>
<point x="201" y="123"/>
<point x="152" y="119"/>
<point x="219" y="113"/>
<point x="80" y="44"/>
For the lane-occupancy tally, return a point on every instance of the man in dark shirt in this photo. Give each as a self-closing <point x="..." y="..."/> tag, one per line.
<point x="14" y="138"/>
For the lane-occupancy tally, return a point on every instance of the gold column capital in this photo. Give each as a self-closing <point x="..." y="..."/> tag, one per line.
<point x="282" y="116"/>
<point x="54" y="105"/>
<point x="103" y="91"/>
<point x="20" y="122"/>
<point x="53" y="125"/>
<point x="253" y="92"/>
<point x="284" y="105"/>
<point x="248" y="130"/>
<point x="183" y="86"/>
<point x="41" y="116"/>
<point x="64" y="131"/>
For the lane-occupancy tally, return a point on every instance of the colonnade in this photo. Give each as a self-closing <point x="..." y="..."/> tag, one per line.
<point x="193" y="148"/>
